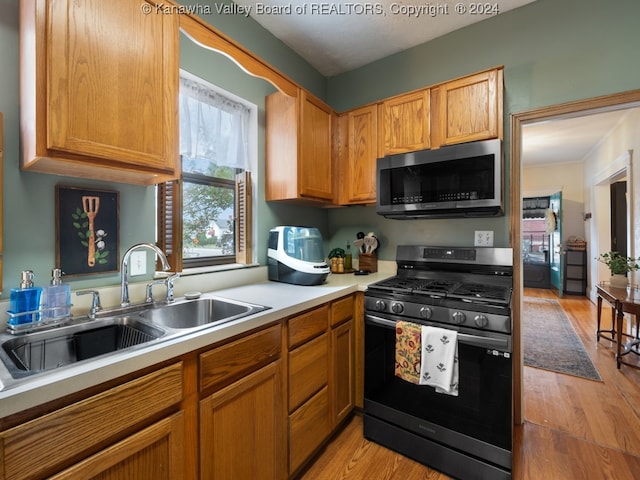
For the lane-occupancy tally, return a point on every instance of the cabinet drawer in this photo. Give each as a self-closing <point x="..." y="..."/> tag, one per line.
<point x="308" y="325"/>
<point x="235" y="359"/>
<point x="341" y="310"/>
<point x="308" y="370"/>
<point x="309" y="426"/>
<point x="35" y="448"/>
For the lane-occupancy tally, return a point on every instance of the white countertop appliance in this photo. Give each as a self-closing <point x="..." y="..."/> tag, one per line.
<point x="295" y="255"/>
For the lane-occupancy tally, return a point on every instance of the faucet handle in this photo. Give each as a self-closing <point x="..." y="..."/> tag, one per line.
<point x="169" y="281"/>
<point x="149" y="296"/>
<point x="96" y="306"/>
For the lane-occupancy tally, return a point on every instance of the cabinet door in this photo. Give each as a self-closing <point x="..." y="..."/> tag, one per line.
<point x="241" y="429"/>
<point x="155" y="453"/>
<point x="343" y="370"/>
<point x="111" y="85"/>
<point x="360" y="151"/>
<point x="405" y="124"/>
<point x="468" y="109"/>
<point x="315" y="157"/>
<point x="299" y="149"/>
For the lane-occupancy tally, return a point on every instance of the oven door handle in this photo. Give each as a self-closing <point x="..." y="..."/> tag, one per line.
<point x="473" y="340"/>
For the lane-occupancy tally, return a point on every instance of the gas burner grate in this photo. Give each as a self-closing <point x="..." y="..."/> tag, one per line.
<point x="434" y="287"/>
<point x="393" y="284"/>
<point x="430" y="287"/>
<point x="476" y="292"/>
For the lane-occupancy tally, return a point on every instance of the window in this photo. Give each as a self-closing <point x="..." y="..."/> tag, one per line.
<point x="204" y="217"/>
<point x="535" y="238"/>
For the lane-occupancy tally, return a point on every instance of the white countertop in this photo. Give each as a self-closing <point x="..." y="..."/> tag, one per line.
<point x="284" y="300"/>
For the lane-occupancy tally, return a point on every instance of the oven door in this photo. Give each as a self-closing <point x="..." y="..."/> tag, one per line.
<point x="476" y="425"/>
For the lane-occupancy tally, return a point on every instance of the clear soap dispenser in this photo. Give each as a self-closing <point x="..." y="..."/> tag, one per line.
<point x="24" y="301"/>
<point x="56" y="298"/>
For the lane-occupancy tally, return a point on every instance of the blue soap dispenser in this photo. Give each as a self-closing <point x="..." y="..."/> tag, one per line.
<point x="24" y="301"/>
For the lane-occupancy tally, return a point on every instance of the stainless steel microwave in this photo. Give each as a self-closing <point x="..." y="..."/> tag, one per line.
<point x="454" y="181"/>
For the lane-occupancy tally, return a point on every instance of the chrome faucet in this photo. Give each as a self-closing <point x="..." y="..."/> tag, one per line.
<point x="124" y="269"/>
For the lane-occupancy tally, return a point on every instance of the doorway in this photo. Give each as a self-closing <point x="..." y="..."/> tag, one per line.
<point x="573" y="109"/>
<point x="619" y="232"/>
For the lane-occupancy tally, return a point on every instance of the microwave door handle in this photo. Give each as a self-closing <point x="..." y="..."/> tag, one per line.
<point x="473" y="340"/>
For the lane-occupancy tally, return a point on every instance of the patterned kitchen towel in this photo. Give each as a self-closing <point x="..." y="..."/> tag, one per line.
<point x="408" y="341"/>
<point x="439" y="363"/>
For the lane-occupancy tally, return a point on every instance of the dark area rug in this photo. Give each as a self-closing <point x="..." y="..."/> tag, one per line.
<point x="550" y="341"/>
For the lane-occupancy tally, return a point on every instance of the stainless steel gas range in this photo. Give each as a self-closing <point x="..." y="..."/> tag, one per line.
<point x="468" y="290"/>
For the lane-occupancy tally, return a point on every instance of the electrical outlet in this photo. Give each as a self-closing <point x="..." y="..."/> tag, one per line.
<point x="483" y="238"/>
<point x="138" y="263"/>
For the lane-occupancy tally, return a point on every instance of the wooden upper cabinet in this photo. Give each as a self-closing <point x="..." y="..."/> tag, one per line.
<point x="404" y="123"/>
<point x="299" y="149"/>
<point x="316" y="150"/>
<point x="358" y="151"/>
<point x="467" y="109"/>
<point x="99" y="90"/>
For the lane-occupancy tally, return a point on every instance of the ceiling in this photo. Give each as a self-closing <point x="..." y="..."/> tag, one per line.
<point x="335" y="37"/>
<point x="567" y="140"/>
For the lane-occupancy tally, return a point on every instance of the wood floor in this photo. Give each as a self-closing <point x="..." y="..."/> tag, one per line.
<point x="574" y="428"/>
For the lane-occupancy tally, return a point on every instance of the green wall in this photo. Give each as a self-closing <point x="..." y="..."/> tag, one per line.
<point x="28" y="209"/>
<point x="553" y="51"/>
<point x="29" y="198"/>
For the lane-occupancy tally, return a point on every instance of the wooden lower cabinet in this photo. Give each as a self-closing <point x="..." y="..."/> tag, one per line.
<point x="240" y="428"/>
<point x="234" y="411"/>
<point x="50" y="443"/>
<point x="320" y="379"/>
<point x="155" y="453"/>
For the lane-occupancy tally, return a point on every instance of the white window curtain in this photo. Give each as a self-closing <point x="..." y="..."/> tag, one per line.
<point x="213" y="128"/>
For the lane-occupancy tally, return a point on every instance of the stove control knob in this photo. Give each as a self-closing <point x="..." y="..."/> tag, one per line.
<point x="481" y="320"/>
<point x="425" y="312"/>
<point x="458" y="318"/>
<point x="380" y="305"/>
<point x="397" y="307"/>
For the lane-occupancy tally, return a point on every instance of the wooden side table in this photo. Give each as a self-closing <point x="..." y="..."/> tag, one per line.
<point x="621" y="300"/>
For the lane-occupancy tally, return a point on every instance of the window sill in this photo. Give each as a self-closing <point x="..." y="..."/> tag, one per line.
<point x="218" y="277"/>
<point x="209" y="269"/>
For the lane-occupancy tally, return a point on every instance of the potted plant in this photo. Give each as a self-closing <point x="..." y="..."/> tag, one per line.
<point x="619" y="267"/>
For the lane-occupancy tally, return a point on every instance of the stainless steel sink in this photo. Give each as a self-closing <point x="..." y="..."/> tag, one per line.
<point x="118" y="331"/>
<point x="46" y="350"/>
<point x="206" y="311"/>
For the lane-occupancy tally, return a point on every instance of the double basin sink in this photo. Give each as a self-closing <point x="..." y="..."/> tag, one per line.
<point x="27" y="354"/>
